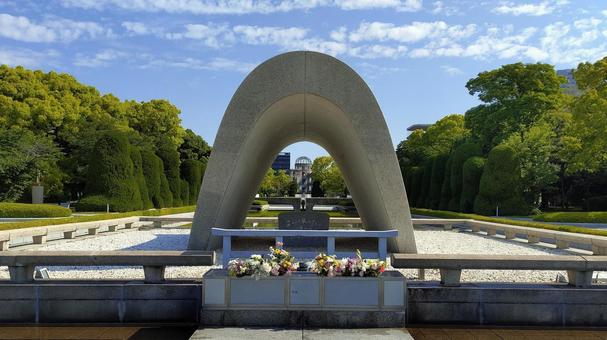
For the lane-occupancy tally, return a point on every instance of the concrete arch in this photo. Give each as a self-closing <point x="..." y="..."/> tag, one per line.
<point x="303" y="96"/>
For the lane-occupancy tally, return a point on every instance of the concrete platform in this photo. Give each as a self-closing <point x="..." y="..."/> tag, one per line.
<point x="294" y="333"/>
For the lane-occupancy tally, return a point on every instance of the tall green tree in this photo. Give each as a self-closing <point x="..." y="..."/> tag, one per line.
<point x="514" y="97"/>
<point x="152" y="173"/>
<point x="327" y="173"/>
<point x="590" y="114"/>
<point x="436" y="180"/>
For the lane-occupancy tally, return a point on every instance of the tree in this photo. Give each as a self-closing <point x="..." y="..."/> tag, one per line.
<point x="157" y="121"/>
<point x="152" y="172"/>
<point x="514" y="96"/>
<point x="445" y="193"/>
<point x="438" y="139"/>
<point x="170" y="161"/>
<point x="439" y="164"/>
<point x="191" y="171"/>
<point x="193" y="147"/>
<point x="472" y="171"/>
<point x="327" y="173"/>
<point x="590" y="114"/>
<point x="458" y="157"/>
<point x="111" y="173"/>
<point x="139" y="177"/>
<point x="500" y="184"/>
<point x="23" y="156"/>
<point x="534" y="150"/>
<point x="424" y="197"/>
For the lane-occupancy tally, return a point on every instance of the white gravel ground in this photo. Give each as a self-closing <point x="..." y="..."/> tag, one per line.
<point x="429" y="240"/>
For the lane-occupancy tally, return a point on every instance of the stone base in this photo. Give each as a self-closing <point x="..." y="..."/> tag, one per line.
<point x="329" y="319"/>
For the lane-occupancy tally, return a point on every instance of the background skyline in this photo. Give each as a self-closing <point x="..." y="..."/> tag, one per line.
<point x="416" y="56"/>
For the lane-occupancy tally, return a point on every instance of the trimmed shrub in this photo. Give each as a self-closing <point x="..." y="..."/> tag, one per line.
<point x="445" y="193"/>
<point x="573" y="217"/>
<point x="436" y="180"/>
<point x="259" y="202"/>
<point x="596" y="203"/>
<point x="416" y="174"/>
<point x="146" y="203"/>
<point x="559" y="227"/>
<point x="185" y="192"/>
<point x="191" y="171"/>
<point x="171" y="162"/>
<point x="111" y="172"/>
<point x="500" y="185"/>
<point x="471" y="178"/>
<point x="425" y="184"/>
<point x="165" y="190"/>
<point x="152" y="171"/>
<point x="93" y="203"/>
<point x="19" y="210"/>
<point x="459" y="156"/>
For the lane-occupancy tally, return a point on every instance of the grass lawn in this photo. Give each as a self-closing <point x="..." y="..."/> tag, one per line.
<point x="571" y="217"/>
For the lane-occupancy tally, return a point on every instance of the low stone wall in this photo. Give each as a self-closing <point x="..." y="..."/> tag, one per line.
<point x="506" y="304"/>
<point x="100" y="302"/>
<point x="177" y="302"/>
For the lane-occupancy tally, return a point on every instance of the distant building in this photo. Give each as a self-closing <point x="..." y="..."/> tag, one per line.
<point x="571" y="86"/>
<point x="282" y="161"/>
<point x="418" y="127"/>
<point x="302" y="174"/>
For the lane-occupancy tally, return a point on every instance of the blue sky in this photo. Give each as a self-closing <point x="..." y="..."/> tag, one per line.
<point x="416" y="55"/>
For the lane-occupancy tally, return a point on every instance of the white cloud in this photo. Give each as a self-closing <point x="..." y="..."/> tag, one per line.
<point x="212" y="35"/>
<point x="377" y="51"/>
<point x="339" y="34"/>
<point x="532" y="9"/>
<point x="216" y="64"/>
<point x="604" y="12"/>
<point x="440" y="8"/>
<point x="51" y="30"/>
<point x="264" y="35"/>
<point x="136" y="28"/>
<point x="26" y="57"/>
<point x="416" y="31"/>
<point x="99" y="59"/>
<point x="399" y="5"/>
<point x="452" y="70"/>
<point x="240" y="6"/>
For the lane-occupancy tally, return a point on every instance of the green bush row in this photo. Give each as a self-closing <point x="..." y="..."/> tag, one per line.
<point x="99" y="217"/>
<point x="451" y="214"/>
<point x="259" y="202"/>
<point x="17" y="210"/>
<point x="571" y="217"/>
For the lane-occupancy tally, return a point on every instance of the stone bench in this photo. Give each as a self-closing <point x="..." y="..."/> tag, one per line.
<point x="579" y="268"/>
<point x="157" y="221"/>
<point x="22" y="264"/>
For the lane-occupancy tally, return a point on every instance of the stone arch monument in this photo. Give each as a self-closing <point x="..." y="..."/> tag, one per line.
<point x="293" y="97"/>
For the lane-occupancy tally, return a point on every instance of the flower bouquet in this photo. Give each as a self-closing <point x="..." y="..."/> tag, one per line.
<point x="326" y="265"/>
<point x="281" y="261"/>
<point x="358" y="266"/>
<point x="278" y="262"/>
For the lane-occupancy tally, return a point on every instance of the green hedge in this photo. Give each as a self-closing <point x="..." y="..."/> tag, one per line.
<point x="111" y="172"/>
<point x="152" y="172"/>
<point x="571" y="217"/>
<point x="459" y="156"/>
<point x="93" y="203"/>
<point x="171" y="163"/>
<point x="137" y="160"/>
<point x="259" y="202"/>
<point x="500" y="185"/>
<point x="445" y="193"/>
<point x="530" y="224"/>
<point x="596" y="203"/>
<point x="471" y="178"/>
<point x="99" y="217"/>
<point x="191" y="171"/>
<point x="18" y="210"/>
<point x="436" y="180"/>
